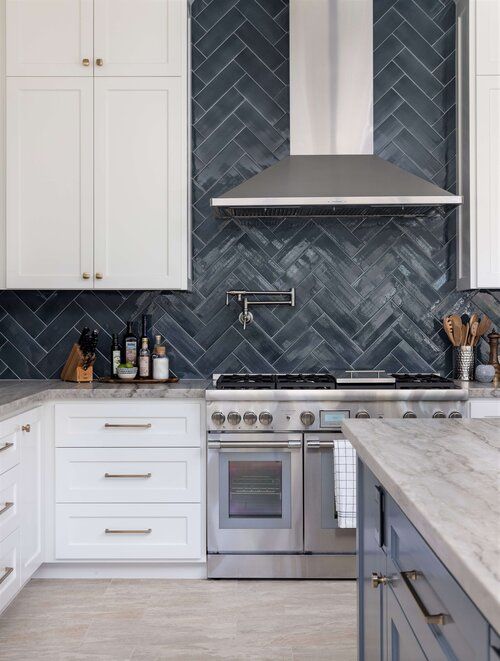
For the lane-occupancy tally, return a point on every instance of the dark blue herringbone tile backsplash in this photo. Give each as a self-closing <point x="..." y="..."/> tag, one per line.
<point x="369" y="293"/>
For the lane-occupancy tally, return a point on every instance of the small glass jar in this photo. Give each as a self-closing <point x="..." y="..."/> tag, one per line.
<point x="160" y="364"/>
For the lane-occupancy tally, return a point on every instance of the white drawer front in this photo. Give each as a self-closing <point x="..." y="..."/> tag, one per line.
<point x="128" y="424"/>
<point x="10" y="579"/>
<point x="128" y="475"/>
<point x="128" y="532"/>
<point x="9" y="502"/>
<point x="488" y="408"/>
<point x="9" y="448"/>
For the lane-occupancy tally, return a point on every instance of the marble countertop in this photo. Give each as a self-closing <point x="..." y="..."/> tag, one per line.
<point x="445" y="476"/>
<point x="477" y="390"/>
<point x="17" y="396"/>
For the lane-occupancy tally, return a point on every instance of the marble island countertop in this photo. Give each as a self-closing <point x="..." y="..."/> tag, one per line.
<point x="17" y="396"/>
<point x="445" y="476"/>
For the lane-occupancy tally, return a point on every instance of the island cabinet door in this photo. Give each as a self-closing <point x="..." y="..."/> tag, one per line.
<point x="371" y="566"/>
<point x="445" y="621"/>
<point x="402" y="643"/>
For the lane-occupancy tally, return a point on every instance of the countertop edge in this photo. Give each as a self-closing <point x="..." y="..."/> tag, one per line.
<point x="479" y="591"/>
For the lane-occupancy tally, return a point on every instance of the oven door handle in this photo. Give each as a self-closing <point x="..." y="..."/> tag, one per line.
<point x="316" y="444"/>
<point x="222" y="445"/>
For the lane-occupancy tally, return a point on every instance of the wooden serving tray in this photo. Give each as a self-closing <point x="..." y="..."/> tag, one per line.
<point x="112" y="379"/>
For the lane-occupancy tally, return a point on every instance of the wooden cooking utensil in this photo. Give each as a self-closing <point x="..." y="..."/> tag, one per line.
<point x="473" y="333"/>
<point x="448" y="329"/>
<point x="457" y="329"/>
<point x="484" y="327"/>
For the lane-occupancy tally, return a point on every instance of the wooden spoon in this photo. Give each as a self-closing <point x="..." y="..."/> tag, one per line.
<point x="448" y="327"/>
<point x="473" y="333"/>
<point x="484" y="327"/>
<point x="457" y="329"/>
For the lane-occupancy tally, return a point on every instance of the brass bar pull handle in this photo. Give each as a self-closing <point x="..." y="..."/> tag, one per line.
<point x="145" y="475"/>
<point x="436" y="618"/>
<point x="148" y="531"/>
<point x="109" y="425"/>
<point x="319" y="445"/>
<point x="8" y="571"/>
<point x="26" y="428"/>
<point x="6" y="447"/>
<point x="6" y="507"/>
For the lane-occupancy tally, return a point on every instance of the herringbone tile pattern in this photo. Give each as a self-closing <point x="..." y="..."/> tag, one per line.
<point x="369" y="293"/>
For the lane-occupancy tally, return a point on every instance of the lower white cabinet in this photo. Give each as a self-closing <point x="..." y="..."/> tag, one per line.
<point x="9" y="502"/>
<point x="31" y="495"/>
<point x="128" y="532"/>
<point x="10" y="576"/>
<point x="484" y="408"/>
<point x="128" y="481"/>
<point x="123" y="475"/>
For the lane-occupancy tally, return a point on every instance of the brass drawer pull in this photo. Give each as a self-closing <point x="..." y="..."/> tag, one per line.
<point x="131" y="426"/>
<point x="436" y="618"/>
<point x="86" y="62"/>
<point x="99" y="61"/>
<point x="26" y="428"/>
<point x="8" y="571"/>
<point x="6" y="507"/>
<point x="6" y="447"/>
<point x="145" y="475"/>
<point x="148" y="531"/>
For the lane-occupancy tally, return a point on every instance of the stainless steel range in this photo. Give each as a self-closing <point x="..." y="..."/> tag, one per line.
<point x="272" y="509"/>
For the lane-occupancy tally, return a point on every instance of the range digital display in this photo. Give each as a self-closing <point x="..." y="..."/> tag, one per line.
<point x="329" y="419"/>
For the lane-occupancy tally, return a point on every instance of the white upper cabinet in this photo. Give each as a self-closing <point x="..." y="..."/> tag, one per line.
<point x="140" y="198"/>
<point x="97" y="138"/>
<point x="139" y="37"/>
<point x="478" y="106"/>
<point x="488" y="31"/>
<point x="49" y="37"/>
<point x="49" y="234"/>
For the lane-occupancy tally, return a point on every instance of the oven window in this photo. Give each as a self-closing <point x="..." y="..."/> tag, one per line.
<point x="255" y="489"/>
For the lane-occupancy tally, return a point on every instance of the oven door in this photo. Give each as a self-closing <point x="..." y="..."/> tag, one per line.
<point x="254" y="493"/>
<point x="322" y="534"/>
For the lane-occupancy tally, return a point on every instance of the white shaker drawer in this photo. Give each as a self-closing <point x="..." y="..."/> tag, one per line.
<point x="10" y="578"/>
<point x="128" y="424"/>
<point x="9" y="502"/>
<point x="128" y="475"/>
<point x="485" y="408"/>
<point x="128" y="532"/>
<point x="9" y="445"/>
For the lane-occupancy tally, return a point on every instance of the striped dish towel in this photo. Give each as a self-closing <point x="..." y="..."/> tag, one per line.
<point x="344" y="468"/>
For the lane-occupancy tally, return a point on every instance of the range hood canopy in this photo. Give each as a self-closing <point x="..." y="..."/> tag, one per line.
<point x="350" y="185"/>
<point x="332" y="170"/>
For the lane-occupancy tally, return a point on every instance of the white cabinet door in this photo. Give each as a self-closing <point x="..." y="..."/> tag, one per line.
<point x="10" y="579"/>
<point x="31" y="496"/>
<point x="488" y="181"/>
<point x="484" y="408"/>
<point x="488" y="37"/>
<point x="141" y="195"/>
<point x="49" y="183"/>
<point x="140" y="37"/>
<point x="49" y="37"/>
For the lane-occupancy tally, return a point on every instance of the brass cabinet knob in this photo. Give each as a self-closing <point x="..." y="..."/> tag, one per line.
<point x="26" y="428"/>
<point x="378" y="579"/>
<point x="86" y="276"/>
<point x="99" y="61"/>
<point x="86" y="62"/>
<point x="99" y="276"/>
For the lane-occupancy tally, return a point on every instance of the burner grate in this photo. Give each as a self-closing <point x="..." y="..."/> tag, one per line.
<point x="421" y="381"/>
<point x="306" y="382"/>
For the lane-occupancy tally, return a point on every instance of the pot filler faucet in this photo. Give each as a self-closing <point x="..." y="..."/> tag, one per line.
<point x="246" y="317"/>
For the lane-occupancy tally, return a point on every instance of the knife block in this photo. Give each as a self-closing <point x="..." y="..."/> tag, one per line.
<point x="73" y="369"/>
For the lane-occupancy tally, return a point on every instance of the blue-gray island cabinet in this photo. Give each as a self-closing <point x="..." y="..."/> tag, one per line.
<point x="428" y="539"/>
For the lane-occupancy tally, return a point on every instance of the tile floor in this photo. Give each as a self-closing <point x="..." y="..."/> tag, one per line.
<point x="146" y="620"/>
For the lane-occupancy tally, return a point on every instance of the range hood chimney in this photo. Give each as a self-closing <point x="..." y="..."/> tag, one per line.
<point x="331" y="170"/>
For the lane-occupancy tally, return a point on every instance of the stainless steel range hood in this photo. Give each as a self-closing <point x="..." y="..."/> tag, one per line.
<point x="332" y="170"/>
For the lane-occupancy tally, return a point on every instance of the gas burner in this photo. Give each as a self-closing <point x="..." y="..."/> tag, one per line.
<point x="246" y="382"/>
<point x="427" y="381"/>
<point x="305" y="382"/>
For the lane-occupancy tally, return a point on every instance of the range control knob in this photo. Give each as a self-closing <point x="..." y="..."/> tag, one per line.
<point x="265" y="418"/>
<point x="455" y="414"/>
<point x="362" y="414"/>
<point x="307" y="418"/>
<point x="410" y="414"/>
<point x="234" y="418"/>
<point x="439" y="414"/>
<point x="250" y="418"/>
<point x="218" y="418"/>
